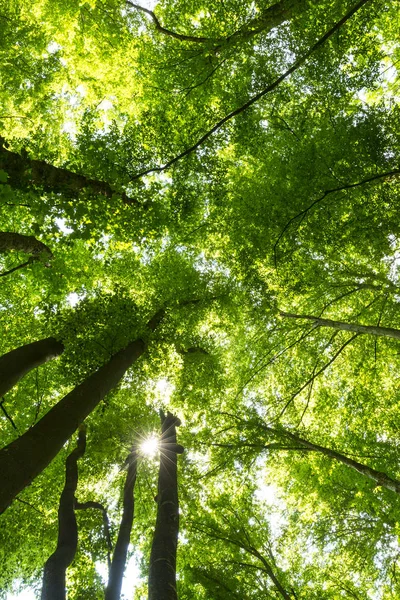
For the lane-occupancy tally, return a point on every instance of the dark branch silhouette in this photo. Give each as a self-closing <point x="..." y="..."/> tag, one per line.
<point x="297" y="64"/>
<point x="301" y="215"/>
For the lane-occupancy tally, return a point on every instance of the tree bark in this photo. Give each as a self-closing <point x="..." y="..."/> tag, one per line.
<point x="23" y="243"/>
<point x="113" y="591"/>
<point x="17" y="363"/>
<point x="162" y="573"/>
<point x="25" y="173"/>
<point x="378" y="477"/>
<point x="25" y="458"/>
<point x="59" y="561"/>
<point x="341" y="325"/>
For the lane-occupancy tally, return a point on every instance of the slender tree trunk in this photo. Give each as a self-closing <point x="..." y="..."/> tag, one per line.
<point x="17" y="363"/>
<point x="113" y="591"/>
<point x="59" y="561"/>
<point x="378" y="477"/>
<point x="340" y="325"/>
<point x="25" y="173"/>
<point x="162" y="573"/>
<point x="26" y="457"/>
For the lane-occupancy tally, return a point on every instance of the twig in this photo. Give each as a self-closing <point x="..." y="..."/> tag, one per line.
<point x="315" y="375"/>
<point x="7" y="415"/>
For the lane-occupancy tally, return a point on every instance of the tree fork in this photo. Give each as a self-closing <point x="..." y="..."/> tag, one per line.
<point x="26" y="457"/>
<point x="17" y="363"/>
<point x="162" y="572"/>
<point x="113" y="591"/>
<point x="62" y="557"/>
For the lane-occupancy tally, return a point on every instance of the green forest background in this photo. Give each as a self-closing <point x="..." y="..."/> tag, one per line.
<point x="235" y="164"/>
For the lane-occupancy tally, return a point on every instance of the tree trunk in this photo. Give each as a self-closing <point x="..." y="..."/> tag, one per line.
<point x="25" y="173"/>
<point x="59" y="561"/>
<point x="23" y="243"/>
<point x="371" y="329"/>
<point x="268" y="19"/>
<point x="113" y="591"/>
<point x="162" y="572"/>
<point x="378" y="477"/>
<point x="17" y="363"/>
<point x="25" y="458"/>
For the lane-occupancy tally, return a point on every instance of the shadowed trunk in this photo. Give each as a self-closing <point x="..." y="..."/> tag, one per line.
<point x="59" y="561"/>
<point x="25" y="173"/>
<point x="113" y="591"/>
<point x="342" y="326"/>
<point x="17" y="363"/>
<point x="26" y="457"/>
<point x="23" y="243"/>
<point x="162" y="572"/>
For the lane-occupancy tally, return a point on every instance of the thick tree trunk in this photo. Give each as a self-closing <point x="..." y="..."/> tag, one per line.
<point x="17" y="363"/>
<point x="340" y="325"/>
<point x="378" y="477"/>
<point x="23" y="459"/>
<point x="162" y="573"/>
<point x="113" y="591"/>
<point x="25" y="173"/>
<point x="59" y="561"/>
<point x="23" y="243"/>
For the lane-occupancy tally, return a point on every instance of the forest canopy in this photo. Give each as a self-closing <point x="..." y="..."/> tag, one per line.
<point x="199" y="299"/>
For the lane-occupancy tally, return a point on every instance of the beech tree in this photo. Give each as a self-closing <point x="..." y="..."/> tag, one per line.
<point x="236" y="163"/>
<point x="56" y="565"/>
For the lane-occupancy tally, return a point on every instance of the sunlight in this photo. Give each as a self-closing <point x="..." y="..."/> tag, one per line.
<point x="149" y="446"/>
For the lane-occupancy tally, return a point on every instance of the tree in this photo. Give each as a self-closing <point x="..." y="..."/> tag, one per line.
<point x="162" y="570"/>
<point x="117" y="567"/>
<point x="56" y="565"/>
<point x="27" y="456"/>
<point x="233" y="163"/>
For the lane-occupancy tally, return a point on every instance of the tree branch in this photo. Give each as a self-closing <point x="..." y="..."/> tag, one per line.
<point x="297" y="64"/>
<point x="106" y="523"/>
<point x="326" y="193"/>
<point x="315" y="375"/>
<point x="161" y="29"/>
<point x="7" y="415"/>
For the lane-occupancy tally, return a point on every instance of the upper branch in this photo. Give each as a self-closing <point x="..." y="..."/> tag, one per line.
<point x="296" y="65"/>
